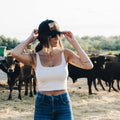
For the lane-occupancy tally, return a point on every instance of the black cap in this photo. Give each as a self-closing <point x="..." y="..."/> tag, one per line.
<point x="49" y="27"/>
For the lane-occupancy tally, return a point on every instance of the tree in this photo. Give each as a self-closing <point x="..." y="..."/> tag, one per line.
<point x="10" y="43"/>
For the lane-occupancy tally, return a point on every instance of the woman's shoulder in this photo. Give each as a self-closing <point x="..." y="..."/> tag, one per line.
<point x="67" y="51"/>
<point x="67" y="54"/>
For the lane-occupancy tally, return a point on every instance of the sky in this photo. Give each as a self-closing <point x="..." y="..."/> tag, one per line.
<point x="82" y="17"/>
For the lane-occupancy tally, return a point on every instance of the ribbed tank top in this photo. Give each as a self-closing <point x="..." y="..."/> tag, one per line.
<point x="51" y="78"/>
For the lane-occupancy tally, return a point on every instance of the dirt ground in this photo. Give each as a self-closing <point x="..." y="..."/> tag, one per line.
<point x="102" y="105"/>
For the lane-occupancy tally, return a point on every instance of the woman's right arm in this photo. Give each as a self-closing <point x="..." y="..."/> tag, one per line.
<point x="18" y="53"/>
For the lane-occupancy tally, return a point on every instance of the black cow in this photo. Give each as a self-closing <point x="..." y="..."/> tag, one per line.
<point x="91" y="75"/>
<point x="110" y="73"/>
<point x="113" y="59"/>
<point x="18" y="72"/>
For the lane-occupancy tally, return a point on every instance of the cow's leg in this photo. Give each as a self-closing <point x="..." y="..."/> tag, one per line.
<point x="26" y="88"/>
<point x="110" y="85"/>
<point x="10" y="87"/>
<point x="31" y="94"/>
<point x="34" y="84"/>
<point x="19" y="89"/>
<point x="89" y="86"/>
<point x="10" y="95"/>
<point x="118" y="84"/>
<point x="74" y="80"/>
<point x="94" y="83"/>
<point x="100" y="82"/>
<point x="113" y="86"/>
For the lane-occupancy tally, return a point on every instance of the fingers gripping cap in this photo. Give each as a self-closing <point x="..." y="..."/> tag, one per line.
<point x="49" y="27"/>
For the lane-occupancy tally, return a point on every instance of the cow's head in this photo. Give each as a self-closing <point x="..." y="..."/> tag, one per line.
<point x="9" y="64"/>
<point x="12" y="68"/>
<point x="98" y="62"/>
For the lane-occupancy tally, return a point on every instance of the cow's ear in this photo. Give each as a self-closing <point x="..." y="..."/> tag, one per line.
<point x="16" y="61"/>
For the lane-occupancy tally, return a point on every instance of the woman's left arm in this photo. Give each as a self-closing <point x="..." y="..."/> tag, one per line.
<point x="81" y="60"/>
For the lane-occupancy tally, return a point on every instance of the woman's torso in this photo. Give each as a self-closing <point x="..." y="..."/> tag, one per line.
<point x="51" y="64"/>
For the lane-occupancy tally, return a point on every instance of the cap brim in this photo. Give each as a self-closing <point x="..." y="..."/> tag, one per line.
<point x="54" y="32"/>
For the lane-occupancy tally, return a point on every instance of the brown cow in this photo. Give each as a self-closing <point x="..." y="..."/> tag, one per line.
<point x="18" y="72"/>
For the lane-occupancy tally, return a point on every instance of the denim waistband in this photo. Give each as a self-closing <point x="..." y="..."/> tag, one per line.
<point x="49" y="96"/>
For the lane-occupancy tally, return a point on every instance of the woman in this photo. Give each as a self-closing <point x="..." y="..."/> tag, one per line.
<point x="50" y="65"/>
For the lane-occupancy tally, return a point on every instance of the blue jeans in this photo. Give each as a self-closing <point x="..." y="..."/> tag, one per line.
<point x="56" y="107"/>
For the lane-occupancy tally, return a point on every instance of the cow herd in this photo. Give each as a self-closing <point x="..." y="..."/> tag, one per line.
<point x="106" y="68"/>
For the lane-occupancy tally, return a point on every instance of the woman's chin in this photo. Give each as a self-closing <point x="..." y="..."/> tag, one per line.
<point x="55" y="45"/>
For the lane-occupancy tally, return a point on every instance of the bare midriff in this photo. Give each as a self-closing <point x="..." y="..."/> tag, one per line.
<point x="55" y="92"/>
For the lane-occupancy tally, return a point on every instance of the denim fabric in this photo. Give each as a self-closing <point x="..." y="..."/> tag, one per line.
<point x="52" y="107"/>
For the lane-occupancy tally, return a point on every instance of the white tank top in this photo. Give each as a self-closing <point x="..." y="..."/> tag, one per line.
<point x="51" y="78"/>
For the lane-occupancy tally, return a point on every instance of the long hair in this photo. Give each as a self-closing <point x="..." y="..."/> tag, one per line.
<point x="44" y="40"/>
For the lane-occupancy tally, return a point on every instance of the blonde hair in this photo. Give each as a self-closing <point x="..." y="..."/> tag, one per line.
<point x="49" y="46"/>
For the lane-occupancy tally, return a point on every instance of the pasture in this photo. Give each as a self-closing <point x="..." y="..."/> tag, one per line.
<point x="101" y="105"/>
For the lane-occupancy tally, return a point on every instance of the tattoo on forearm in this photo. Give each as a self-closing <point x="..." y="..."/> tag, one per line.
<point x="85" y="61"/>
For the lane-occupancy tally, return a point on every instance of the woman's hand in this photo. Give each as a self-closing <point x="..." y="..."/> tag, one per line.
<point x="33" y="35"/>
<point x="80" y="60"/>
<point x="69" y="36"/>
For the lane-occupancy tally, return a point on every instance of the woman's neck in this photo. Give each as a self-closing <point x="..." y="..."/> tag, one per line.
<point x="45" y="51"/>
